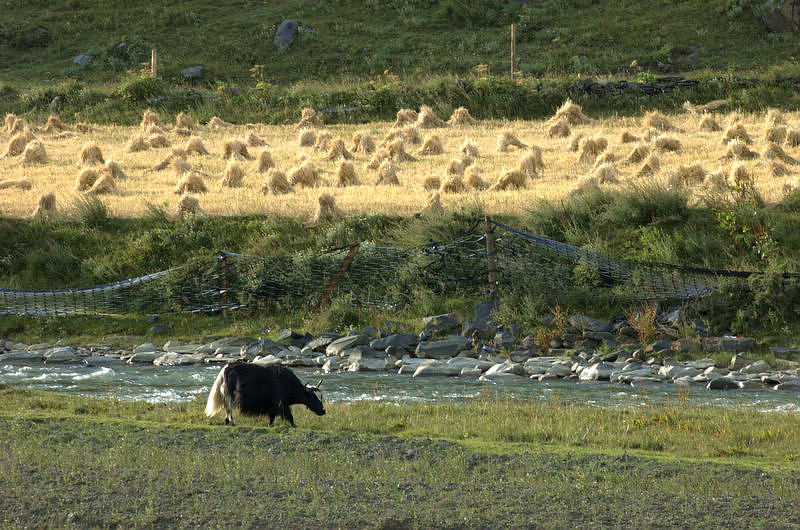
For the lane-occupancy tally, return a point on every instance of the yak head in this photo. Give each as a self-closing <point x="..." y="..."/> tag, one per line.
<point x="313" y="401"/>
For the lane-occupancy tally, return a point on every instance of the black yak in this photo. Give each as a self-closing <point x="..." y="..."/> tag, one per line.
<point x="255" y="389"/>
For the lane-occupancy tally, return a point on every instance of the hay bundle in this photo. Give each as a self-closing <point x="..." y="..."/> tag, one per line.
<point x="54" y="123"/>
<point x="20" y="184"/>
<point x="584" y="184"/>
<point x="346" y="174"/>
<point x="453" y="184"/>
<point x="46" y="206"/>
<point x="777" y="169"/>
<point x="739" y="151"/>
<point x="506" y="139"/>
<point x="702" y="109"/>
<point x="791" y="186"/>
<point x="529" y="164"/>
<point x="775" y="118"/>
<point x="511" y="179"/>
<point x="195" y="146"/>
<point x="323" y="141"/>
<point x="253" y="140"/>
<point x="667" y="143"/>
<point x="571" y="113"/>
<point x="655" y="120"/>
<point x="309" y="118"/>
<point x="650" y="167"/>
<point x="64" y="135"/>
<point x="456" y="167"/>
<point x="184" y="121"/>
<point x="473" y="177"/>
<point x="639" y="153"/>
<point x="234" y="175"/>
<point x="86" y="179"/>
<point x="688" y="175"/>
<point x="431" y="146"/>
<point x="187" y="205"/>
<point x="771" y="152"/>
<point x="575" y="142"/>
<point x="405" y="117"/>
<point x="16" y="146"/>
<point x="605" y="174"/>
<point x="235" y="149"/>
<point x="190" y="182"/>
<point x="338" y="151"/>
<point x="378" y="158"/>
<point x="9" y="122"/>
<point x="736" y="132"/>
<point x="434" y="204"/>
<point x="467" y="160"/>
<point x="34" y="153"/>
<point x="217" y="124"/>
<point x="150" y="118"/>
<point x="327" y="211"/>
<point x="82" y="128"/>
<point x="468" y="148"/>
<point x="708" y="123"/>
<point x="461" y="116"/>
<point x="154" y="129"/>
<point x="397" y="150"/>
<point x="165" y="163"/>
<point x="387" y="175"/>
<point x="265" y="161"/>
<point x="628" y="137"/>
<point x="431" y="183"/>
<point x="792" y="137"/>
<point x="740" y="176"/>
<point x="91" y="155"/>
<point x="590" y="148"/>
<point x="307" y="138"/>
<point x="136" y="144"/>
<point x="103" y="185"/>
<point x="776" y="133"/>
<point x="559" y="129"/>
<point x="277" y="183"/>
<point x="716" y="179"/>
<point x="305" y="175"/>
<point x="114" y="169"/>
<point x="411" y="135"/>
<point x="606" y="157"/>
<point x="18" y="126"/>
<point x="363" y="143"/>
<point x="158" y="141"/>
<point x="426" y="119"/>
<point x="179" y="164"/>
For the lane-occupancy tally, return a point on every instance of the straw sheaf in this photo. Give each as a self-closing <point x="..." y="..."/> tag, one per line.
<point x="530" y="164"/>
<point x="397" y="150"/>
<point x="461" y="116"/>
<point x="431" y="146"/>
<point x="150" y="118"/>
<point x="363" y="143"/>
<point x="277" y="183"/>
<point x="506" y="139"/>
<point x="431" y="183"/>
<point x="628" y="137"/>
<point x="739" y="151"/>
<point x="323" y="141"/>
<point x="326" y="211"/>
<point x="215" y="124"/>
<point x="426" y="119"/>
<point x="740" y="175"/>
<point x="716" y="179"/>
<point x="265" y="161"/>
<point x="771" y="152"/>
<point x="606" y="157"/>
<point x="234" y="175"/>
<point x="688" y="175"/>
<point x="473" y="177"/>
<point x="86" y="179"/>
<point x="468" y="147"/>
<point x="184" y="121"/>
<point x="54" y="123"/>
<point x="575" y="141"/>
<point x="791" y="186"/>
<point x="650" y="167"/>
<point x="305" y="175"/>
<point x="655" y="120"/>
<point x="792" y="137"/>
<point x="104" y="185"/>
<point x="83" y="128"/>
<point x="179" y="165"/>
<point x="702" y="109"/>
<point x="456" y="166"/>
<point x="307" y="138"/>
<point x="638" y="153"/>
<point x="378" y="158"/>
<point x="590" y="148"/>
<point x="346" y="174"/>
<point x="434" y="204"/>
<point x="775" y="117"/>
<point x="18" y="126"/>
<point x="46" y="206"/>
<point x="188" y="205"/>
<point x="137" y="144"/>
<point x="777" y="169"/>
<point x="190" y="182"/>
<point x="20" y="184"/>
<point x="16" y="146"/>
<point x="559" y="129"/>
<point x="708" y="123"/>
<point x="235" y="149"/>
<point x="405" y="117"/>
<point x="9" y="122"/>
<point x="453" y="184"/>
<point x="158" y="141"/>
<point x="571" y="113"/>
<point x="387" y="175"/>
<point x="667" y="143"/>
<point x="195" y="146"/>
<point x="736" y="132"/>
<point x="776" y="133"/>
<point x="309" y="119"/>
<point x="253" y="140"/>
<point x="605" y="173"/>
<point x="114" y="169"/>
<point x="338" y="151"/>
<point x="91" y="155"/>
<point x="510" y="179"/>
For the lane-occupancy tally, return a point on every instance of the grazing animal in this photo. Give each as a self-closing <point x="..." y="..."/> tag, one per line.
<point x="255" y="389"/>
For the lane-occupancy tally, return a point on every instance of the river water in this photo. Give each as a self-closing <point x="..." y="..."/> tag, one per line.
<point x="155" y="384"/>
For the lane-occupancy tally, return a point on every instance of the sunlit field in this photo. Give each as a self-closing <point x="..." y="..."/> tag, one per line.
<point x="677" y="141"/>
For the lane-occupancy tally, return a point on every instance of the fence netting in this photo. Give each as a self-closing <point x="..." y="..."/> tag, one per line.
<point x="375" y="276"/>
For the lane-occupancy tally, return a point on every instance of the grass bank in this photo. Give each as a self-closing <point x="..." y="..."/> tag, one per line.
<point x="73" y="461"/>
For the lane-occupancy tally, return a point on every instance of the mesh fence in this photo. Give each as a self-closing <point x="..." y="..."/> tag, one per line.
<point x="374" y="276"/>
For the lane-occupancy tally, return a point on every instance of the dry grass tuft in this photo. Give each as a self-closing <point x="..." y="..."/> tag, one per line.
<point x="188" y="205"/>
<point x="327" y="211"/>
<point x="575" y="141"/>
<point x="628" y="137"/>
<point x="217" y="124"/>
<point x="337" y="151"/>
<point x="54" y="123"/>
<point x="179" y="164"/>
<point x="590" y="148"/>
<point x="277" y="183"/>
<point x="307" y="138"/>
<point x="687" y="175"/>
<point x="379" y="156"/>
<point x="235" y="149"/>
<point x="473" y="177"/>
<point x="104" y="185"/>
<point x="453" y="184"/>
<point x="791" y="186"/>
<point x="461" y="116"/>
<point x="716" y="179"/>
<point x="559" y="129"/>
<point x="363" y="143"/>
<point x="777" y="169"/>
<point x="184" y="121"/>
<point x="606" y="157"/>
<point x="702" y="109"/>
<point x="346" y="174"/>
<point x="234" y="175"/>
<point x="9" y="122"/>
<point x="667" y="143"/>
<point x="253" y="140"/>
<point x="82" y="128"/>
<point x="708" y="123"/>
<point x="405" y="117"/>
<point x="158" y="141"/>
<point x="114" y="169"/>
<point x="774" y="151"/>
<point x="323" y="141"/>
<point x="739" y="151"/>
<point x="434" y="204"/>
<point x="91" y="155"/>
<point x="136" y="144"/>
<point x="305" y="175"/>
<point x="20" y="184"/>
<point x="572" y="113"/>
<point x="506" y="139"/>
<point x="397" y="150"/>
<point x="18" y="126"/>
<point x="531" y="163"/>
<point x="650" y="167"/>
<point x="431" y="183"/>
<point x="431" y="146"/>
<point x="265" y="161"/>
<point x="739" y="174"/>
<point x="309" y="118"/>
<point x="426" y="119"/>
<point x="655" y="120"/>
<point x="775" y="117"/>
<point x="736" y="131"/>
<point x="195" y="146"/>
<point x="387" y="175"/>
<point x="46" y="207"/>
<point x="776" y="133"/>
<point x="510" y="179"/>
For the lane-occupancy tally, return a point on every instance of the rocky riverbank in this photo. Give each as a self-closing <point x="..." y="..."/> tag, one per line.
<point x="587" y="350"/>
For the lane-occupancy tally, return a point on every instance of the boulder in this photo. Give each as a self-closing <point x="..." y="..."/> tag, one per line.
<point x="320" y="343"/>
<point x="406" y="341"/>
<point x="442" y="349"/>
<point x="193" y="72"/>
<point x="789" y="354"/>
<point x="62" y="354"/>
<point x="433" y="367"/>
<point x="738" y="362"/>
<point x="758" y="367"/>
<point x="332" y="364"/>
<point x="597" y="372"/>
<point x="83" y="59"/>
<point x="285" y="34"/>
<point x="442" y="323"/>
<point x="724" y="383"/>
<point x="351" y="341"/>
<point x="504" y="339"/>
<point x="143" y="357"/>
<point x="261" y="347"/>
<point x="476" y="329"/>
<point x="585" y="323"/>
<point x="366" y="364"/>
<point x="177" y="359"/>
<point x="507" y="367"/>
<point x="268" y="360"/>
<point x="148" y="346"/>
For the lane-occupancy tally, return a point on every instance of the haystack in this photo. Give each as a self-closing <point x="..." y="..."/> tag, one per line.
<point x="346" y="174"/>
<point x="323" y="141"/>
<point x="606" y="157"/>
<point x="235" y="149"/>
<point x="739" y="151"/>
<point x="154" y="129"/>
<point x="740" y="175"/>
<point x="327" y="211"/>
<point x="434" y="204"/>
<point x="590" y="148"/>
<point x="792" y="137"/>
<point x="150" y="118"/>
<point x="529" y="164"/>
<point x="736" y="132"/>
<point x="667" y="143"/>
<point x="387" y="175"/>
<point x="91" y="155"/>
<point x="86" y="179"/>
<point x="54" y="123"/>
<point x="456" y="166"/>
<point x="305" y="175"/>
<point x="379" y="156"/>
<point x="136" y="144"/>
<point x="253" y="140"/>
<point x="190" y="182"/>
<point x="184" y="121"/>
<point x="772" y="152"/>
<point x="234" y="175"/>
<point x="307" y="138"/>
<point x="404" y="117"/>
<point x="605" y="173"/>
<point x="467" y="160"/>
<point x="506" y="139"/>
<point x="473" y="177"/>
<point x="702" y="109"/>
<point x="83" y="128"/>
<point x="337" y="151"/>
<point x="195" y="146"/>
<point x="18" y="126"/>
<point x="639" y="153"/>
<point x="628" y="137"/>
<point x="114" y="169"/>
<point x="34" y="153"/>
<point x="397" y="150"/>
<point x="559" y="129"/>
<point x="655" y="120"/>
<point x="469" y="148"/>
<point x="46" y="206"/>
<point x="650" y="167"/>
<point x="309" y="118"/>
<point x="103" y="185"/>
<point x="277" y="183"/>
<point x="158" y="141"/>
<point x="461" y="116"/>
<point x="453" y="184"/>
<point x="179" y="165"/>
<point x="431" y="183"/>
<point x="575" y="141"/>
<point x="188" y="205"/>
<point x="11" y="118"/>
<point x="216" y="124"/>
<point x="777" y="169"/>
<point x="708" y="123"/>
<point x="572" y="113"/>
<point x="363" y="143"/>
<point x="776" y="133"/>
<point x="716" y="179"/>
<point x="510" y="179"/>
<point x="688" y="175"/>
<point x="20" y="184"/>
<point x="775" y="117"/>
<point x="426" y="119"/>
<point x="431" y="146"/>
<point x="265" y="161"/>
<point x="16" y="146"/>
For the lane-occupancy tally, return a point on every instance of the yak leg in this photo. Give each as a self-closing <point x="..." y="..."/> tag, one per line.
<point x="229" y="418"/>
<point x="271" y="419"/>
<point x="287" y="413"/>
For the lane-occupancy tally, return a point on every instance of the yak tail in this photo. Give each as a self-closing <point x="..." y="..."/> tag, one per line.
<point x="216" y="398"/>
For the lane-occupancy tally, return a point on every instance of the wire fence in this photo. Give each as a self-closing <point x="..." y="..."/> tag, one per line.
<point x="374" y="276"/>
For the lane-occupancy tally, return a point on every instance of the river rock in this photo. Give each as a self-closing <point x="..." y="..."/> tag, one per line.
<point x="559" y="369"/>
<point x="498" y="377"/>
<point x="406" y="341"/>
<point x="432" y="367"/>
<point x="758" y="367"/>
<point x="597" y="372"/>
<point x="61" y="354"/>
<point x="789" y="354"/>
<point x="702" y="364"/>
<point x="467" y="362"/>
<point x="331" y="365"/>
<point x="21" y="356"/>
<point x="678" y="371"/>
<point x="83" y="59"/>
<point x="476" y="329"/>
<point x="177" y="359"/>
<point x="738" y="362"/>
<point x="442" y="349"/>
<point x="585" y="323"/>
<point x="366" y="364"/>
<point x="320" y="343"/>
<point x="100" y="360"/>
<point x="345" y="343"/>
<point x="724" y="383"/>
<point x="143" y="357"/>
<point x="261" y="347"/>
<point x="268" y="360"/>
<point x="737" y="344"/>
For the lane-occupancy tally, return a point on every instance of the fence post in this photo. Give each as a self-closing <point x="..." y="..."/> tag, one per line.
<point x="348" y="260"/>
<point x="153" y="63"/>
<point x="223" y="291"/>
<point x="513" y="50"/>
<point x="490" y="253"/>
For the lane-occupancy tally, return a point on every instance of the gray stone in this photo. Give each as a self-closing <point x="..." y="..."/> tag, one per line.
<point x="367" y="365"/>
<point x="406" y="341"/>
<point x="260" y="347"/>
<point x="339" y="345"/>
<point x="724" y="383"/>
<point x="758" y="367"/>
<point x="442" y="349"/>
<point x="475" y="329"/>
<point x="284" y="36"/>
<point x="61" y="354"/>
<point x="146" y="347"/>
<point x="370" y="331"/>
<point x="331" y="365"/>
<point x="789" y="354"/>
<point x="158" y="330"/>
<point x="177" y="359"/>
<point x="289" y="337"/>
<point x="585" y="323"/>
<point x="507" y="367"/>
<point x="678" y="371"/>
<point x="143" y="357"/>
<point x="268" y="360"/>
<point x="597" y="372"/>
<point x="737" y="344"/>
<point x="21" y="356"/>
<point x="598" y="335"/>
<point x="433" y="367"/>
<point x="484" y="310"/>
<point x="320" y="343"/>
<point x="702" y="364"/>
<point x="193" y="72"/>
<point x="658" y="346"/>
<point x="442" y="323"/>
<point x="559" y="369"/>
<point x="738" y="362"/>
<point x="504" y="339"/>
<point x="83" y="59"/>
<point x="39" y="347"/>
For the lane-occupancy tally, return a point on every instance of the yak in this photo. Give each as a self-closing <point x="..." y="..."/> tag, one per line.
<point x="256" y="389"/>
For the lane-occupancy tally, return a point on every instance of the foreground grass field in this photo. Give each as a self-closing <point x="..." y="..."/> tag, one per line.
<point x="71" y="461"/>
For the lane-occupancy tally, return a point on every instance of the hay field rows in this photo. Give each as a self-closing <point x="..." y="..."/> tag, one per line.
<point x="678" y="142"/>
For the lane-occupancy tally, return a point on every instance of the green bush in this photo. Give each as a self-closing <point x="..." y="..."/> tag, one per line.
<point x="140" y="88"/>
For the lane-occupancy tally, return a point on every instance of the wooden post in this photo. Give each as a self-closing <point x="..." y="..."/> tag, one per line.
<point x="348" y="260"/>
<point x="153" y="63"/>
<point x="223" y="291"/>
<point x="513" y="50"/>
<point x="490" y="253"/>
